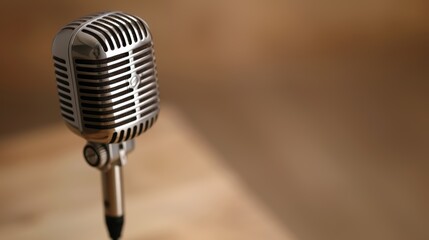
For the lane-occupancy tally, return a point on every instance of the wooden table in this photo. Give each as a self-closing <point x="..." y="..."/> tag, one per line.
<point x="175" y="188"/>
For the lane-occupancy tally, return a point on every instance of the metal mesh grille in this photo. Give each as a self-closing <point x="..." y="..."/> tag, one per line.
<point x="131" y="132"/>
<point x="115" y="30"/>
<point x="107" y="100"/>
<point x="78" y="22"/>
<point x="63" y="85"/>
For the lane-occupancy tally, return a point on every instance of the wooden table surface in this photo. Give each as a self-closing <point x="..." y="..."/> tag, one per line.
<point x="176" y="187"/>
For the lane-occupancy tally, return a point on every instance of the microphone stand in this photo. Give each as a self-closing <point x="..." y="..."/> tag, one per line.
<point x="110" y="158"/>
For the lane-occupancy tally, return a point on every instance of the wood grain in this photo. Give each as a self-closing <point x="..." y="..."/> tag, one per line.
<point x="175" y="187"/>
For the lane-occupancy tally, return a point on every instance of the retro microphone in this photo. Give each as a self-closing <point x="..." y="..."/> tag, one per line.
<point x="108" y="92"/>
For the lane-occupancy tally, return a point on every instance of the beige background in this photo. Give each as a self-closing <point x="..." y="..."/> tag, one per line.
<point x="320" y="106"/>
<point x="185" y="193"/>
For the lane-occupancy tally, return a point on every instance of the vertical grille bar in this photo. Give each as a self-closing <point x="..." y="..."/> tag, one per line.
<point x="63" y="86"/>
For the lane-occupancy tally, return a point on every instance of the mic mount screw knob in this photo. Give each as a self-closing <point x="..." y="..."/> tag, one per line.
<point x="95" y="155"/>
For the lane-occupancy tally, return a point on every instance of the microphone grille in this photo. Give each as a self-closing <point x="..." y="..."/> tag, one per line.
<point x="62" y="74"/>
<point x="79" y="22"/>
<point x="108" y="98"/>
<point x="106" y="77"/>
<point x="116" y="30"/>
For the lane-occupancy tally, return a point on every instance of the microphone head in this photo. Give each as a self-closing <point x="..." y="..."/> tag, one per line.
<point x="106" y="77"/>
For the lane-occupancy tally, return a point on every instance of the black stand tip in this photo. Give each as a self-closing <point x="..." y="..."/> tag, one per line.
<point x="114" y="225"/>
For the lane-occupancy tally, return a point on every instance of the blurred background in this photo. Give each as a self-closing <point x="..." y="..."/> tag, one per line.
<point x="320" y="107"/>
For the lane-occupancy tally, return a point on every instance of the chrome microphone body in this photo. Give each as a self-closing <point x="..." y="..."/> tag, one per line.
<point x="108" y="93"/>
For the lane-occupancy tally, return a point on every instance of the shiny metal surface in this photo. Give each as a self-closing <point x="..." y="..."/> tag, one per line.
<point x="106" y="77"/>
<point x="95" y="155"/>
<point x="108" y="93"/>
<point x="104" y="156"/>
<point x="110" y="158"/>
<point x="113" y="193"/>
